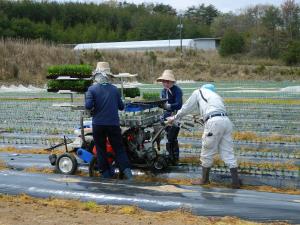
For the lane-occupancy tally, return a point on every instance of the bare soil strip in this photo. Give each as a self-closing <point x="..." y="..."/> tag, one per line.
<point x="27" y="210"/>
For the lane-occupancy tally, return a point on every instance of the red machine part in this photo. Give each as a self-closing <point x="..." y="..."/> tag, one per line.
<point x="109" y="150"/>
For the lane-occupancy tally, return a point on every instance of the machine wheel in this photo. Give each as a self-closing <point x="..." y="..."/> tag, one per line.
<point x="93" y="168"/>
<point x="66" y="164"/>
<point x="159" y="164"/>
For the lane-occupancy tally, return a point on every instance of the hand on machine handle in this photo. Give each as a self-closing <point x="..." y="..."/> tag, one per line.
<point x="171" y="119"/>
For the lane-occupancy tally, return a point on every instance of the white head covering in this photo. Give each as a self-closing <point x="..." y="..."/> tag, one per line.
<point x="210" y="87"/>
<point x="101" y="72"/>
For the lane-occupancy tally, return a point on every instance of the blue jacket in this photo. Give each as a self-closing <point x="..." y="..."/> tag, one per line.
<point x="174" y="97"/>
<point x="105" y="100"/>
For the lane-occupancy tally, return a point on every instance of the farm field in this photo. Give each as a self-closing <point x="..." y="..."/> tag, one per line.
<point x="266" y="140"/>
<point x="265" y="114"/>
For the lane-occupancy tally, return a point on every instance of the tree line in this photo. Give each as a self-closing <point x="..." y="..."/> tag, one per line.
<point x="260" y="30"/>
<point x="88" y="22"/>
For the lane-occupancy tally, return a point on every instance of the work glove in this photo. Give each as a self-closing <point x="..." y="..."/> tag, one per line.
<point x="171" y="119"/>
<point x="162" y="119"/>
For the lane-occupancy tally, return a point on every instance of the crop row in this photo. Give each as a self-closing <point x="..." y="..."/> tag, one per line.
<point x="29" y="141"/>
<point x="192" y="152"/>
<point x="251" y="168"/>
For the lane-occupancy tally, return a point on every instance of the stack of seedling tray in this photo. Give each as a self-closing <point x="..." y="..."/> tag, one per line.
<point x="141" y="113"/>
<point x="75" y="78"/>
<point x="139" y="118"/>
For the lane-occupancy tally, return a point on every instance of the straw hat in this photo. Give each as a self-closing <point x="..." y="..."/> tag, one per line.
<point x="102" y="67"/>
<point x="167" y="75"/>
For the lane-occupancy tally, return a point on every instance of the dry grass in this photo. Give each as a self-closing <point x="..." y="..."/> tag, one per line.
<point x="196" y="134"/>
<point x="246" y="136"/>
<point x="39" y="170"/>
<point x="262" y="101"/>
<point x="2" y="165"/>
<point x="26" y="62"/>
<point x="288" y="165"/>
<point x="30" y="151"/>
<point x="190" y="160"/>
<point x="51" y="170"/>
<point x="251" y="136"/>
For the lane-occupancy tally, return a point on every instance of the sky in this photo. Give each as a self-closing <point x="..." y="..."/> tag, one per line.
<point x="222" y="5"/>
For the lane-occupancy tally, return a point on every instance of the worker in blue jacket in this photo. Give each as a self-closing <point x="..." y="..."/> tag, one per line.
<point x="105" y="101"/>
<point x="173" y="94"/>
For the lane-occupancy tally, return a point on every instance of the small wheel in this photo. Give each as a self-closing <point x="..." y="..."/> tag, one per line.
<point x="159" y="164"/>
<point x="66" y="164"/>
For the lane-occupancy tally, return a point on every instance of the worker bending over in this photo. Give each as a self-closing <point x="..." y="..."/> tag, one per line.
<point x="217" y="135"/>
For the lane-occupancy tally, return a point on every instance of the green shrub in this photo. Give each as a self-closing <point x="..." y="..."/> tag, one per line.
<point x="292" y="53"/>
<point x="77" y="71"/>
<point x="73" y="85"/>
<point x="231" y="43"/>
<point x="151" y="96"/>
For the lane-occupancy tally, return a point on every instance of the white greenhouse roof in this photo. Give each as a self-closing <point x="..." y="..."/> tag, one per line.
<point x="136" y="44"/>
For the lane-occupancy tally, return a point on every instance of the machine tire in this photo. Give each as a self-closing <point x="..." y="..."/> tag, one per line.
<point x="159" y="164"/>
<point x="66" y="164"/>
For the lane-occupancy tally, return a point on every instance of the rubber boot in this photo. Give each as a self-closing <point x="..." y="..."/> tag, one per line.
<point x="128" y="174"/>
<point x="205" y="177"/>
<point x="235" y="178"/>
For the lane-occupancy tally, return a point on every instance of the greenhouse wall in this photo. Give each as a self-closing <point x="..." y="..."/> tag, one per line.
<point x="163" y="45"/>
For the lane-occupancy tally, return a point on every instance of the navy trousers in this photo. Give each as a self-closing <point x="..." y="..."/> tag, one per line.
<point x="172" y="144"/>
<point x="113" y="133"/>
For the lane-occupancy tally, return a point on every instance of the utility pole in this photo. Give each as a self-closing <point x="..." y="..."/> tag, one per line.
<point x="180" y="27"/>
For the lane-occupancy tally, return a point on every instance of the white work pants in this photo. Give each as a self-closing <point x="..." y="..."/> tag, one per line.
<point x="217" y="138"/>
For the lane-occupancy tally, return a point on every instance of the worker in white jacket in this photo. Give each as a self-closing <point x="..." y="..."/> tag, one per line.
<point x="217" y="135"/>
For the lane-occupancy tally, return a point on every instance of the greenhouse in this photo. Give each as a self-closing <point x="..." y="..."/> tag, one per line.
<point x="163" y="45"/>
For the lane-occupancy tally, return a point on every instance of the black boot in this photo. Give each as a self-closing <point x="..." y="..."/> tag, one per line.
<point x="235" y="178"/>
<point x="205" y="177"/>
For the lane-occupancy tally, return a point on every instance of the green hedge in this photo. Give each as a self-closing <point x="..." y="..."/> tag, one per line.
<point x="73" y="85"/>
<point x="76" y="71"/>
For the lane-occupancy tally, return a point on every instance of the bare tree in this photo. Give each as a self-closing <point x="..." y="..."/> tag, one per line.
<point x="291" y="18"/>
